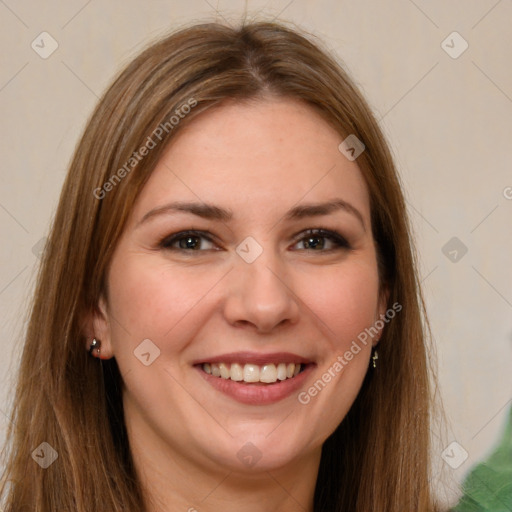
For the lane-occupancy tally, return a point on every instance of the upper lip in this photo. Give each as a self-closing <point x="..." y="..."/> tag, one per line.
<point x="255" y="358"/>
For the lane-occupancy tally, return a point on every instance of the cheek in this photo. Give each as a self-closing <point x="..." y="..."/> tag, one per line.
<point x="149" y="300"/>
<point x="345" y="301"/>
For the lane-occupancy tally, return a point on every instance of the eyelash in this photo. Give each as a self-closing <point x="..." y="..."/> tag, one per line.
<point x="339" y="241"/>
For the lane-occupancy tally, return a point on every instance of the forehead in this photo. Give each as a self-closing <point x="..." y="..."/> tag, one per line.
<point x="271" y="154"/>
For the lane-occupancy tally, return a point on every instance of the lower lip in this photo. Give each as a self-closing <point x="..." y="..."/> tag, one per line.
<point x="258" y="394"/>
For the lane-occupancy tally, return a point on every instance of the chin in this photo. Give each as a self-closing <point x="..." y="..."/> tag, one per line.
<point x="254" y="453"/>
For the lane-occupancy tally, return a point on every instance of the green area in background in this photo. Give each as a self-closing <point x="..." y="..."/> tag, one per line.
<point x="488" y="487"/>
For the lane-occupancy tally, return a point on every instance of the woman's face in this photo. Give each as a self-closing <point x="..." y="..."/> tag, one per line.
<point x="221" y="269"/>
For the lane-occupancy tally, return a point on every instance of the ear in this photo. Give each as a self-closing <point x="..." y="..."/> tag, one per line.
<point x="382" y="307"/>
<point x="97" y="325"/>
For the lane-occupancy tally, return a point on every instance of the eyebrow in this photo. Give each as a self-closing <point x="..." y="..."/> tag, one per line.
<point x="212" y="212"/>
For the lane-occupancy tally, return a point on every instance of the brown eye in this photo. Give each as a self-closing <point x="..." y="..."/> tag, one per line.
<point x="322" y="240"/>
<point x="187" y="241"/>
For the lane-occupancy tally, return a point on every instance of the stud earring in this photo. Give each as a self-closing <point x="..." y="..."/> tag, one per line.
<point x="95" y="345"/>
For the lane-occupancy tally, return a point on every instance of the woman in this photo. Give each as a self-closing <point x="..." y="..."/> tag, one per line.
<point x="230" y="249"/>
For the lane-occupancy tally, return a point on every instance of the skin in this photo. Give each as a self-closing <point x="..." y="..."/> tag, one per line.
<point x="257" y="159"/>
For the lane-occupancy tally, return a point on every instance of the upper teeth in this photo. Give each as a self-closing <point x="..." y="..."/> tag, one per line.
<point x="267" y="373"/>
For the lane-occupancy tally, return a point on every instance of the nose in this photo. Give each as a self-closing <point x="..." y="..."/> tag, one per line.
<point x="260" y="295"/>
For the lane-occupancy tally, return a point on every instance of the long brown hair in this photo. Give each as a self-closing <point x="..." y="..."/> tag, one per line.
<point x="378" y="458"/>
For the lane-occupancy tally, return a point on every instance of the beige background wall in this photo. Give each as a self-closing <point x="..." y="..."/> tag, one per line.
<point x="448" y="119"/>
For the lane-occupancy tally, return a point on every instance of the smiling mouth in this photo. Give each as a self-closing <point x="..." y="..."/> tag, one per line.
<point x="254" y="373"/>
